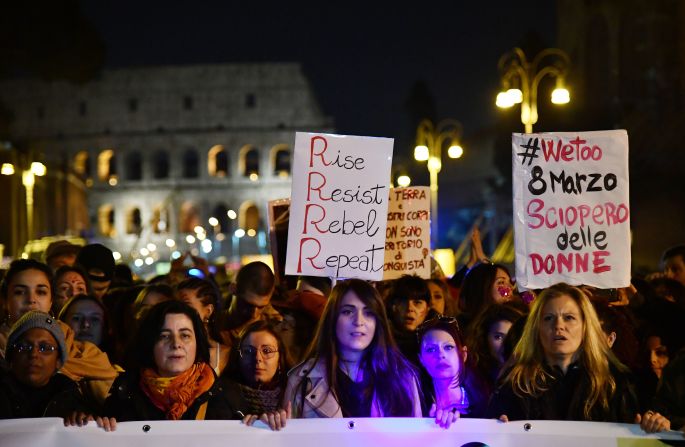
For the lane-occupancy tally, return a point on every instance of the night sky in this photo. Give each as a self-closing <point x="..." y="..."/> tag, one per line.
<point x="362" y="61"/>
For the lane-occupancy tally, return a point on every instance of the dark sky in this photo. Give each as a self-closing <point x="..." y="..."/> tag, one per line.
<point x="362" y="61"/>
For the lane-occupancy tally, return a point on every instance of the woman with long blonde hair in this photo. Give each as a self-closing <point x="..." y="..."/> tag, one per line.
<point x="562" y="367"/>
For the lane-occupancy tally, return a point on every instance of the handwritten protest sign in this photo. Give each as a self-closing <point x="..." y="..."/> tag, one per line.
<point x="339" y="203"/>
<point x="407" y="237"/>
<point x="571" y="210"/>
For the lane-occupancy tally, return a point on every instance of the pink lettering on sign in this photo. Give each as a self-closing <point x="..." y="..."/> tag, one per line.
<point x="570" y="152"/>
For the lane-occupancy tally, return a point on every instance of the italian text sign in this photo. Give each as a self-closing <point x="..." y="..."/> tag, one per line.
<point x="407" y="237"/>
<point x="571" y="210"/>
<point x="339" y="203"/>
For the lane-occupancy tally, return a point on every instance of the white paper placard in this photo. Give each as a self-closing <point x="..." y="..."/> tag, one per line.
<point x="339" y="202"/>
<point x="571" y="208"/>
<point x="407" y="236"/>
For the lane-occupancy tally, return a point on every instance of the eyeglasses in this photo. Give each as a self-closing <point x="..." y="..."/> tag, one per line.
<point x="435" y="322"/>
<point x="250" y="351"/>
<point x="43" y="348"/>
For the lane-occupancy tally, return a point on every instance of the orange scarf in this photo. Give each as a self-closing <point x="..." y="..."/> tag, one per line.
<point x="174" y="395"/>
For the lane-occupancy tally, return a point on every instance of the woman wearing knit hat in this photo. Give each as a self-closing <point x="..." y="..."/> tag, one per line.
<point x="32" y="388"/>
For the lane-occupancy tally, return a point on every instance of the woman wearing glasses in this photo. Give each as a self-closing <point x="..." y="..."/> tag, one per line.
<point x="353" y="368"/>
<point x="448" y="392"/>
<point x="173" y="379"/>
<point x="32" y="388"/>
<point x="259" y="369"/>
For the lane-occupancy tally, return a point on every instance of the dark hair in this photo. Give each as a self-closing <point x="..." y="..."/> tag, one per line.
<point x="614" y="319"/>
<point x="162" y="289"/>
<point x="392" y="375"/>
<point x="148" y="333"/>
<point x="19" y="265"/>
<point x="476" y="289"/>
<point x="106" y="331"/>
<point x="321" y="283"/>
<point x="233" y="371"/>
<point x="451" y="326"/>
<point x="678" y="250"/>
<point x="208" y="293"/>
<point x="255" y="277"/>
<point x="480" y="358"/>
<point x="63" y="270"/>
<point x="409" y="287"/>
<point x="447" y="296"/>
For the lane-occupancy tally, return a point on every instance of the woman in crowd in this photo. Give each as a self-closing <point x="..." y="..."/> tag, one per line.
<point x="447" y="389"/>
<point x="173" y="379"/>
<point x="203" y="296"/>
<point x="483" y="285"/>
<point x="259" y="367"/>
<point x="441" y="299"/>
<point x="149" y="296"/>
<point x="353" y="368"/>
<point x="69" y="281"/>
<point x="486" y="343"/>
<point x="562" y="367"/>
<point x="86" y="316"/>
<point x="26" y="287"/>
<point x="32" y="388"/>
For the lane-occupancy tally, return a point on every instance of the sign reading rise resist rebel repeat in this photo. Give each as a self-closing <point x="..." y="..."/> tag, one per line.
<point x="571" y="210"/>
<point x="339" y="204"/>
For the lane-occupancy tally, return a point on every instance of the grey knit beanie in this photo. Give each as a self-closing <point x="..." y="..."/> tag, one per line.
<point x="35" y="319"/>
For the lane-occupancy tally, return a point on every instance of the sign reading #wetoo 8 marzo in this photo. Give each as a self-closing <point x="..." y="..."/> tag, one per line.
<point x="571" y="210"/>
<point x="339" y="204"/>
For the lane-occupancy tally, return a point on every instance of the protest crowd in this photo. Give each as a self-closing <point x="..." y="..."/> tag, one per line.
<point x="83" y="339"/>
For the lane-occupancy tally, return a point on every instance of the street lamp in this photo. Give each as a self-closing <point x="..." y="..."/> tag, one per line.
<point x="521" y="79"/>
<point x="430" y="140"/>
<point x="28" y="179"/>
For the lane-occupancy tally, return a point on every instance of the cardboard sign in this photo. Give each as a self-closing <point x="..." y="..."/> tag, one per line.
<point x="339" y="203"/>
<point x="571" y="210"/>
<point x="407" y="237"/>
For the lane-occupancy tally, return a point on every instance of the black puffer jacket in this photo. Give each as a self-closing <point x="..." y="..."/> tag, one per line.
<point x="128" y="402"/>
<point x="565" y="398"/>
<point x="58" y="398"/>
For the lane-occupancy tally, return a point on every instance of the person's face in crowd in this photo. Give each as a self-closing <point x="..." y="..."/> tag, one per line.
<point x="675" y="269"/>
<point x="190" y="297"/>
<point x="250" y="306"/>
<point x="150" y="300"/>
<point x="86" y="318"/>
<point x="31" y="366"/>
<point x="259" y="357"/>
<point x="355" y="327"/>
<point x="502" y="290"/>
<point x="439" y="354"/>
<point x="658" y="354"/>
<point x="68" y="285"/>
<point x="437" y="298"/>
<point x="496" y="334"/>
<point x="59" y="261"/>
<point x="176" y="347"/>
<point x="410" y="313"/>
<point x="561" y="330"/>
<point x="99" y="286"/>
<point x="28" y="290"/>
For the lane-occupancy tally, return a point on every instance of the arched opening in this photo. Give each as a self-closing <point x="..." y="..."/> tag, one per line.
<point x="134" y="166"/>
<point x="280" y="160"/>
<point x="160" y="220"/>
<point x="106" y="225"/>
<point x="189" y="218"/>
<point x="220" y="212"/>
<point x="217" y="161"/>
<point x="191" y="164"/>
<point x="107" y="168"/>
<point x="249" y="162"/>
<point x="82" y="164"/>
<point x="134" y="222"/>
<point x="249" y="216"/>
<point x="160" y="165"/>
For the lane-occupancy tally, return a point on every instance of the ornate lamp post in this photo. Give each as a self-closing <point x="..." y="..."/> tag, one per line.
<point x="521" y="79"/>
<point x="430" y="140"/>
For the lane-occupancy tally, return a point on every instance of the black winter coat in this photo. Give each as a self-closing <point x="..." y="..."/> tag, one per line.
<point x="128" y="402"/>
<point x="58" y="398"/>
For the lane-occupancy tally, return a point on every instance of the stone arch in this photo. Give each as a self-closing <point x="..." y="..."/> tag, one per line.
<point x="248" y="217"/>
<point x="189" y="217"/>
<point x="107" y="168"/>
<point x="106" y="223"/>
<point x="134" y="166"/>
<point x="217" y="161"/>
<point x="249" y="160"/>
<point x="134" y="221"/>
<point x="280" y="160"/>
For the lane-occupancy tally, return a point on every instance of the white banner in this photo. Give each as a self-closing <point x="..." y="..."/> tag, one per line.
<point x="407" y="237"/>
<point x="377" y="432"/>
<point x="571" y="209"/>
<point x="338" y="208"/>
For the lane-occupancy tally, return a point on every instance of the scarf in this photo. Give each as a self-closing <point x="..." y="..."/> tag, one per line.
<point x="174" y="395"/>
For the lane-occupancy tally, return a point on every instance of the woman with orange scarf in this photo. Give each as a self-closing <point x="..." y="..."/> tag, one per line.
<point x="174" y="379"/>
